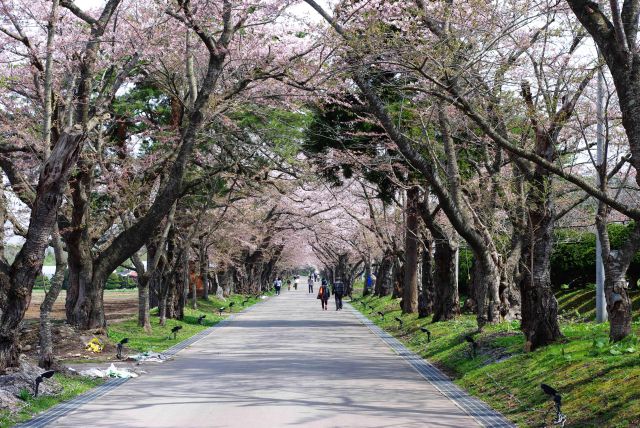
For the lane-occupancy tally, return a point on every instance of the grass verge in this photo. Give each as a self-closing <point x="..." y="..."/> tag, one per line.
<point x="599" y="382"/>
<point x="161" y="338"/>
<point x="72" y="386"/>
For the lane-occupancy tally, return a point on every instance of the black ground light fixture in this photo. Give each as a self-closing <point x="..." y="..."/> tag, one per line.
<point x="561" y="418"/>
<point x="119" y="347"/>
<point x="175" y="330"/>
<point x="381" y="314"/>
<point x="221" y="310"/>
<point x="40" y="378"/>
<point x="472" y="344"/>
<point x="245" y="301"/>
<point x="201" y="319"/>
<point x="427" y="332"/>
<point x="231" y="304"/>
<point x="399" y="321"/>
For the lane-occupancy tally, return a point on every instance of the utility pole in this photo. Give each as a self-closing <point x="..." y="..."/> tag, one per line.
<point x="601" y="307"/>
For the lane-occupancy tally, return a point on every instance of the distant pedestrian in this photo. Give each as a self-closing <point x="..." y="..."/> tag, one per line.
<point x="288" y="285"/>
<point x="295" y="282"/>
<point x="338" y="293"/>
<point x="324" y="294"/>
<point x="310" y="282"/>
<point x="277" y="284"/>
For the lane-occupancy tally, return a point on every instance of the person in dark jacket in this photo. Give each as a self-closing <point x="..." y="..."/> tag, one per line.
<point x="338" y="292"/>
<point x="310" y="282"/>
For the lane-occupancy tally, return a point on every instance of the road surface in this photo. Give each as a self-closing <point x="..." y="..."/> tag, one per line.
<point x="285" y="363"/>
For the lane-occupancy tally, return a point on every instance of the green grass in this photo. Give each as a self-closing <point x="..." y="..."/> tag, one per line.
<point x="161" y="337"/>
<point x="600" y="383"/>
<point x="581" y="303"/>
<point x="72" y="386"/>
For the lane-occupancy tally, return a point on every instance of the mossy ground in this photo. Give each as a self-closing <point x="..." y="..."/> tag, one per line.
<point x="599" y="382"/>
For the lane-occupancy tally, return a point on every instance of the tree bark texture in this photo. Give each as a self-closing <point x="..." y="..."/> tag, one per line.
<point x="427" y="292"/>
<point x="45" y="358"/>
<point x="412" y="231"/>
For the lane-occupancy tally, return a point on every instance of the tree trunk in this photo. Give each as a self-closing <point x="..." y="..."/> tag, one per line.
<point x="397" y="277"/>
<point x="384" y="281"/>
<point x="16" y="281"/>
<point x="616" y="263"/>
<point x="84" y="304"/>
<point x="219" y="288"/>
<point x="143" y="303"/>
<point x="487" y="284"/>
<point x="367" y="277"/>
<point x="510" y="297"/>
<point x="446" y="302"/>
<point x="426" y="299"/>
<point x="45" y="359"/>
<point x="412" y="231"/>
<point x="204" y="269"/>
<point x="539" y="306"/>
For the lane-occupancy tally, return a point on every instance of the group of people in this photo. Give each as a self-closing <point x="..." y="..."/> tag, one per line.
<point x="324" y="292"/>
<point x="277" y="284"/>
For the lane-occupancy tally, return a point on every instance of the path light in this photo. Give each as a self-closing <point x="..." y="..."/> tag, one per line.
<point x="561" y="418"/>
<point x="425" y="330"/>
<point x="245" y="302"/>
<point x="231" y="305"/>
<point x="221" y="310"/>
<point x="201" y="318"/>
<point x="399" y="321"/>
<point x="473" y="345"/>
<point x="119" y="347"/>
<point x="381" y="314"/>
<point x="39" y="380"/>
<point x="175" y="330"/>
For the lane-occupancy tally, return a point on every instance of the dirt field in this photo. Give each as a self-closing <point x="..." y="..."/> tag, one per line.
<point x="118" y="305"/>
<point x="69" y="343"/>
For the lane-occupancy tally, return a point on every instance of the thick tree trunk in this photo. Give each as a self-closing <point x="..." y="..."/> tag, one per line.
<point x="412" y="230"/>
<point x="45" y="358"/>
<point x="427" y="293"/>
<point x="384" y="282"/>
<point x="16" y="281"/>
<point x="446" y="302"/>
<point x="539" y="306"/>
<point x="510" y="298"/>
<point x="367" y="277"/>
<point x="84" y="304"/>
<point x="616" y="263"/>
<point x="487" y="284"/>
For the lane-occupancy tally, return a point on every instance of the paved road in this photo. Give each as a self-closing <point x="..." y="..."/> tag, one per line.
<point x="285" y="363"/>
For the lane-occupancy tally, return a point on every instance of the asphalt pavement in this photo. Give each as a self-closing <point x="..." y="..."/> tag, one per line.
<point x="285" y="363"/>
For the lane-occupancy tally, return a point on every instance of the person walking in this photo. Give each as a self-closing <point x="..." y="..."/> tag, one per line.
<point x="323" y="295"/>
<point x="288" y="285"/>
<point x="338" y="293"/>
<point x="277" y="285"/>
<point x="310" y="282"/>
<point x="295" y="282"/>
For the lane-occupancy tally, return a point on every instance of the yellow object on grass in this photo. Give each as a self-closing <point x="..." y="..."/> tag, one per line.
<point x="95" y="345"/>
